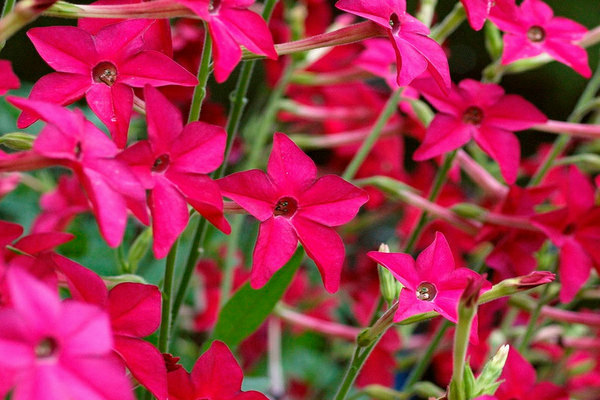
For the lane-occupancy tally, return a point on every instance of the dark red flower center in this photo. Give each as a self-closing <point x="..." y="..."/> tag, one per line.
<point x="161" y="163"/>
<point x="77" y="150"/>
<point x="569" y="229"/>
<point x="47" y="347"/>
<point x="473" y="115"/>
<point x="395" y="23"/>
<point x="286" y="206"/>
<point x="214" y="6"/>
<point x="105" y="72"/>
<point x="426" y="291"/>
<point x="536" y="34"/>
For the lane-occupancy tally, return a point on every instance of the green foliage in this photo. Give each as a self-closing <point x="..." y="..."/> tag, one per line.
<point x="248" y="308"/>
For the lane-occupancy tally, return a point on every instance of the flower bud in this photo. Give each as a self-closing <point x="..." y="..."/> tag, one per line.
<point x="468" y="210"/>
<point x="487" y="381"/>
<point x="17" y="140"/>
<point x="389" y="286"/>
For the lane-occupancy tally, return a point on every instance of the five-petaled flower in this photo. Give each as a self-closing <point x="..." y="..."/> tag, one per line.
<point x="432" y="283"/>
<point x="478" y="111"/>
<point x="532" y="29"/>
<point x="104" y="68"/>
<point x="416" y="53"/>
<point x="173" y="164"/>
<point x="292" y="204"/>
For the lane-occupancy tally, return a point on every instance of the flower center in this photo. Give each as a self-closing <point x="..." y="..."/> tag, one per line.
<point x="473" y="115"/>
<point x="77" y="150"/>
<point x="536" y="34"/>
<point x="569" y="229"/>
<point x="286" y="206"/>
<point x="214" y="6"/>
<point x="105" y="72"/>
<point x="395" y="23"/>
<point x="426" y="291"/>
<point x="46" y="348"/>
<point x="161" y="163"/>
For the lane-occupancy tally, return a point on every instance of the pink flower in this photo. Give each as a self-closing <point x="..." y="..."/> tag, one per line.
<point x="531" y="29"/>
<point x="173" y="164"/>
<point x="232" y="25"/>
<point x="8" y="79"/>
<point x="416" y="53"/>
<point x="432" y="283"/>
<point x="575" y="229"/>
<point x="72" y="141"/>
<point x="104" y="67"/>
<point x="477" y="11"/>
<point x="215" y="376"/>
<point x="292" y="204"/>
<point x="61" y="205"/>
<point x="479" y="111"/>
<point x="56" y="350"/>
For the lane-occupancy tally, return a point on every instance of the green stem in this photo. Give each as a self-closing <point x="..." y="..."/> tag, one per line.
<point x="8" y="7"/>
<point x="358" y="359"/>
<point x="370" y="140"/>
<point x="426" y="11"/>
<point x="563" y="140"/>
<point x="438" y="183"/>
<point x="203" y="74"/>
<point x="533" y="320"/>
<point x="235" y="114"/>
<point x="441" y="31"/>
<point x="417" y="372"/>
<point x="165" y="323"/>
<point x="230" y="258"/>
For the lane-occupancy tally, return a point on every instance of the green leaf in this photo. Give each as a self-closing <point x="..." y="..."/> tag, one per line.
<point x="248" y="308"/>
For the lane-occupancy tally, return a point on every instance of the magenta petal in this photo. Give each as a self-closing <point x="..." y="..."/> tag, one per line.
<point x="8" y="232"/>
<point x="58" y="87"/>
<point x="169" y="215"/>
<point x="113" y="105"/>
<point x="146" y="364"/>
<point x="513" y="113"/>
<point x="154" y="68"/>
<point x="332" y="201"/>
<point x="580" y="201"/>
<point x="409" y="305"/>
<point x="436" y="261"/>
<point x="108" y="206"/>
<point x="275" y="245"/>
<point x="401" y="265"/>
<point x="445" y="133"/>
<point x="502" y="146"/>
<point x="97" y="378"/>
<point x="517" y="47"/>
<point x="325" y="247"/>
<point x="569" y="54"/>
<point x="38" y="242"/>
<point x="86" y="329"/>
<point x="252" y="190"/>
<point x="199" y="148"/>
<point x="227" y="52"/>
<point x="8" y="78"/>
<point x="134" y="309"/>
<point x="376" y="11"/>
<point x="574" y="269"/>
<point x="204" y="195"/>
<point x="121" y="39"/>
<point x="552" y="223"/>
<point x="37" y="304"/>
<point x="217" y="374"/>
<point x="65" y="48"/>
<point x="410" y="62"/>
<point x="477" y="12"/>
<point x="434" y="56"/>
<point x="163" y="120"/>
<point x="83" y="283"/>
<point x="290" y="169"/>
<point x="250" y="30"/>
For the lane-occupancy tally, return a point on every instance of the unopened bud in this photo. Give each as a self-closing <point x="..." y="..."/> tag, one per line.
<point x="17" y="140"/>
<point x="487" y="381"/>
<point x="389" y="286"/>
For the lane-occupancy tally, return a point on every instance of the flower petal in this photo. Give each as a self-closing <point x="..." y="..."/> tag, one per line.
<point x="163" y="120"/>
<point x="151" y="67"/>
<point x="113" y="105"/>
<point x="290" y="169"/>
<point x="199" y="148"/>
<point x="445" y="133"/>
<point x="134" y="309"/>
<point x="252" y="190"/>
<point x="574" y="269"/>
<point x="503" y="146"/>
<point x="169" y="215"/>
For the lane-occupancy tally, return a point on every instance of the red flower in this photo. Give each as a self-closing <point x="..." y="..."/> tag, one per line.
<point x="104" y="68"/>
<point x="482" y="112"/>
<point x="292" y="204"/>
<point x="173" y="164"/>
